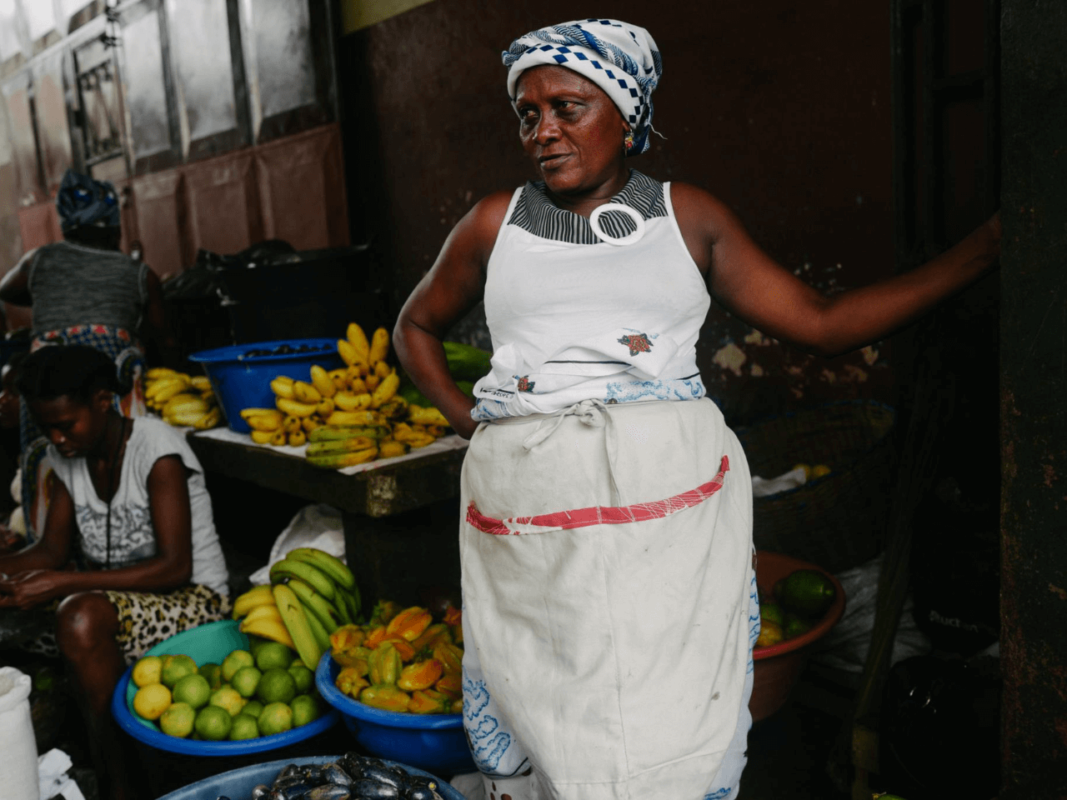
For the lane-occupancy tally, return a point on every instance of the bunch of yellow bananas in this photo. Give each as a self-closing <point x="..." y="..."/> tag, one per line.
<point x="311" y="595"/>
<point x="182" y="399"/>
<point x="335" y="411"/>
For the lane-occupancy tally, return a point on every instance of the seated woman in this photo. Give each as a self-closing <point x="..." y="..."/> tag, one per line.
<point x="131" y="500"/>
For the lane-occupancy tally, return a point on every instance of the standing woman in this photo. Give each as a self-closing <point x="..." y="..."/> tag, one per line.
<point x="130" y="497"/>
<point x="84" y="290"/>
<point x="610" y="605"/>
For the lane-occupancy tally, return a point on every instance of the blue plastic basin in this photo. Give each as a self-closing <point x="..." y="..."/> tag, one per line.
<point x="434" y="742"/>
<point x="241" y="381"/>
<point x="239" y="783"/>
<point x="209" y="643"/>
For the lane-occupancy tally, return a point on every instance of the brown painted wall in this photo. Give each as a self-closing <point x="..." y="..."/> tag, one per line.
<point x="779" y="108"/>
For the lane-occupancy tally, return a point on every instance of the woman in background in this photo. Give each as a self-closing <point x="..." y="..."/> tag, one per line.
<point x="84" y="290"/>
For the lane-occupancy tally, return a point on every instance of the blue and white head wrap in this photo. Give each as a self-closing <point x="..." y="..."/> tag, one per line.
<point x="621" y="59"/>
<point x="84" y="202"/>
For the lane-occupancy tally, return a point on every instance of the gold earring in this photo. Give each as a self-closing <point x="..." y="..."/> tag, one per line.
<point x="628" y="141"/>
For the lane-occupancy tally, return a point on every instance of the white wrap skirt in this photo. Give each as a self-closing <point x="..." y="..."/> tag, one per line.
<point x="609" y="603"/>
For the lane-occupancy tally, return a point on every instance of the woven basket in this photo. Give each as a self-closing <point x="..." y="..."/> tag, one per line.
<point x="837" y="521"/>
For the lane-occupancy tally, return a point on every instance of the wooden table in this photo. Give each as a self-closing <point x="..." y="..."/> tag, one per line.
<point x="394" y="550"/>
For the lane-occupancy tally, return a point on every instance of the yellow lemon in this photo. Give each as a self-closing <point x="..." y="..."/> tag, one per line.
<point x="147" y="671"/>
<point x="178" y="720"/>
<point x="819" y="470"/>
<point x="151" y="701"/>
<point x="228" y="699"/>
<point x="769" y="633"/>
<point x="275" y="718"/>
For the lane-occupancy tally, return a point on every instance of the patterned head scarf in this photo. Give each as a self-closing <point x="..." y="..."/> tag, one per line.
<point x="83" y="202"/>
<point x="621" y="59"/>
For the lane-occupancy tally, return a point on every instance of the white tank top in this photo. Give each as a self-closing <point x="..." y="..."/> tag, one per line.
<point x="573" y="317"/>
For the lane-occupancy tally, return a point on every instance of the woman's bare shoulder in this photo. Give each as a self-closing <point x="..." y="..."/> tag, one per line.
<point x="487" y="215"/>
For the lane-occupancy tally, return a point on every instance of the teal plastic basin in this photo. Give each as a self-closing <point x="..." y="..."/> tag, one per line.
<point x="209" y="643"/>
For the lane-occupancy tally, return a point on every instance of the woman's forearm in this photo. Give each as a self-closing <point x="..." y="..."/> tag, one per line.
<point x="36" y="556"/>
<point x="860" y="316"/>
<point x="423" y="358"/>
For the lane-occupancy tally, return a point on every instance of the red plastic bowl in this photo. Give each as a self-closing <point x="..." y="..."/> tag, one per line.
<point x="778" y="667"/>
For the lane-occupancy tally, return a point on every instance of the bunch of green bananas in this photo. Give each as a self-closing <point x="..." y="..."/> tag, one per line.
<point x="311" y="594"/>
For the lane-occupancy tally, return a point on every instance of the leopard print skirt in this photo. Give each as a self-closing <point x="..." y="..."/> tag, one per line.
<point x="147" y="618"/>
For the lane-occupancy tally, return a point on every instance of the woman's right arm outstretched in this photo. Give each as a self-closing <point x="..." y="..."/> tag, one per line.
<point x="452" y="287"/>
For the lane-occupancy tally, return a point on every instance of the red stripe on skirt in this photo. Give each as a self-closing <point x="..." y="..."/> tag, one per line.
<point x="602" y="515"/>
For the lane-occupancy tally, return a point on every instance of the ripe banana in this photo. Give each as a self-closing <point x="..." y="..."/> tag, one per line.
<point x="291" y="568"/>
<point x="325" y="407"/>
<point x="296" y="622"/>
<point x="339" y="377"/>
<point x="385" y="391"/>
<point x="272" y="629"/>
<point x="347" y="401"/>
<point x="421" y="415"/>
<point x="294" y="408"/>
<point x="382" y="369"/>
<point x="278" y="439"/>
<point x="256" y="596"/>
<point x="306" y="392"/>
<point x="266" y="611"/>
<point x="184" y="419"/>
<point x="156" y="373"/>
<point x="342" y="460"/>
<point x="262" y="437"/>
<point x="379" y="346"/>
<point x="309" y="424"/>
<point x="391" y="449"/>
<point x="327" y="433"/>
<point x="183" y="403"/>
<point x="201" y="383"/>
<point x="209" y="420"/>
<point x="340" y="445"/>
<point x="372" y="382"/>
<point x="282" y="387"/>
<point x="248" y="413"/>
<point x="357" y="385"/>
<point x="349" y="354"/>
<point x="318" y="605"/>
<point x="358" y="339"/>
<point x="322" y="381"/>
<point x="290" y="424"/>
<point x="166" y="389"/>
<point x="265" y="423"/>
<point x="297" y="438"/>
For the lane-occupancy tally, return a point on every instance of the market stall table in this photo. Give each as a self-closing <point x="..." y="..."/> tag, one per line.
<point x="396" y="558"/>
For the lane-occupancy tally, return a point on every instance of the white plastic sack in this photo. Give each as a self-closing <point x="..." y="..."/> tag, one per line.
<point x="317" y="526"/>
<point x="762" y="487"/>
<point x="54" y="781"/>
<point x="18" y="764"/>
<point x="845" y="646"/>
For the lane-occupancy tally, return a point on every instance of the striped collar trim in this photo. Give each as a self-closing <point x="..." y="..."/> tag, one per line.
<point x="535" y="213"/>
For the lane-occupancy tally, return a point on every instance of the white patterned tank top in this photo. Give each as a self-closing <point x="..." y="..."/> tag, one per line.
<point x="578" y="309"/>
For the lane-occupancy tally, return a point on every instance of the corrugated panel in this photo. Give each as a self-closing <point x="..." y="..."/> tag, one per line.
<point x="301" y="187"/>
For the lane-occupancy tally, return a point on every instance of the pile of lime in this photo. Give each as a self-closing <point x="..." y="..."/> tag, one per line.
<point x="799" y="600"/>
<point x="257" y="692"/>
